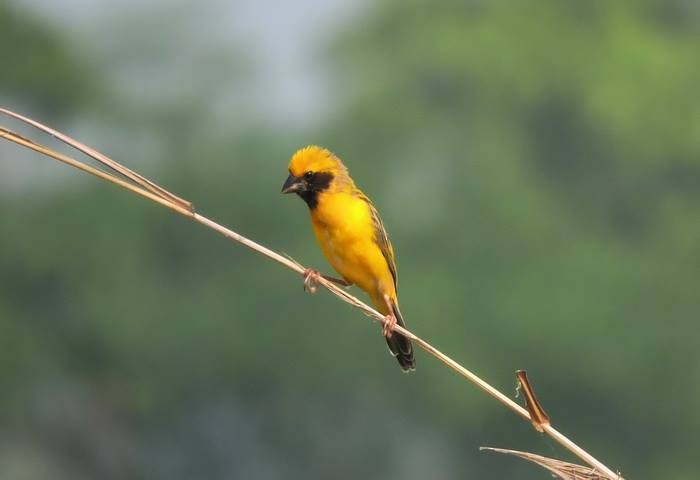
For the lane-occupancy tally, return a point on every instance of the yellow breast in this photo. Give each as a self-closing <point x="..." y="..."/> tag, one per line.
<point x="345" y="231"/>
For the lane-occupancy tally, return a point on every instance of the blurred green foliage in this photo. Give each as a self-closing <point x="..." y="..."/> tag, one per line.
<point x="39" y="66"/>
<point x="537" y="166"/>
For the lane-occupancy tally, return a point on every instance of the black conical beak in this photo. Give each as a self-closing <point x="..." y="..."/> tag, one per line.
<point x="293" y="184"/>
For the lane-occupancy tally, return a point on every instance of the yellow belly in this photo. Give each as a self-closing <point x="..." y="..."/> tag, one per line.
<point x="345" y="231"/>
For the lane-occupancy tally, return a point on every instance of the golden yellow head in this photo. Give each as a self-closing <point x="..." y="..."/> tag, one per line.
<point x="314" y="170"/>
<point x="313" y="159"/>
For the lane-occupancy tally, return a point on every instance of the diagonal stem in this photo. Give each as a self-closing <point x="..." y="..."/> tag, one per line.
<point x="151" y="191"/>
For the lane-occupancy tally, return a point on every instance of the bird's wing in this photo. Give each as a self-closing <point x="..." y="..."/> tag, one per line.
<point x="381" y="238"/>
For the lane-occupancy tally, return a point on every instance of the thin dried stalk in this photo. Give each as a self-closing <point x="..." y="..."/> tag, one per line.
<point x="563" y="470"/>
<point x="103" y="159"/>
<point x="539" y="417"/>
<point x="20" y="140"/>
<point x="150" y="190"/>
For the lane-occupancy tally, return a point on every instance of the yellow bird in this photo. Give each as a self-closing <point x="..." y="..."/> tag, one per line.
<point x="351" y="235"/>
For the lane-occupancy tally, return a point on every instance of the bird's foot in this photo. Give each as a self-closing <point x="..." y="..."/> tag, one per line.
<point x="311" y="276"/>
<point x="389" y="324"/>
<point x="390" y="319"/>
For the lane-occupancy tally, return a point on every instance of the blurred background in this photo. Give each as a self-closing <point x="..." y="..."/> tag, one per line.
<point x="537" y="165"/>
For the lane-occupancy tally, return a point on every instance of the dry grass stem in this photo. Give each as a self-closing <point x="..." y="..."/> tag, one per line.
<point x="563" y="470"/>
<point x="144" y="187"/>
<point x="539" y="417"/>
<point x="103" y="159"/>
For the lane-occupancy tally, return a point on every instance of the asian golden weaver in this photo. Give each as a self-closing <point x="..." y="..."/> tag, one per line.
<point x="351" y="235"/>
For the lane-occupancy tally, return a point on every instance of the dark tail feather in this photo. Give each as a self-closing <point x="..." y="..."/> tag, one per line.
<point x="400" y="346"/>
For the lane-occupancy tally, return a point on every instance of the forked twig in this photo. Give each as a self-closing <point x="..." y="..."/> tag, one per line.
<point x="103" y="159"/>
<point x="144" y="187"/>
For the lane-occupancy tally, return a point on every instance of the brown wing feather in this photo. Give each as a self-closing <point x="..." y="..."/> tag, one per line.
<point x="381" y="237"/>
<point x="399" y="345"/>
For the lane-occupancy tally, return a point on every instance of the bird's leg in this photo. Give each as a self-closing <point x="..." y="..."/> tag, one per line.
<point x="389" y="320"/>
<point x="337" y="281"/>
<point x="311" y="280"/>
<point x="311" y="276"/>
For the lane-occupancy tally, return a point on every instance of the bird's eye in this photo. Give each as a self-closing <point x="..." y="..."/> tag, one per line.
<point x="309" y="175"/>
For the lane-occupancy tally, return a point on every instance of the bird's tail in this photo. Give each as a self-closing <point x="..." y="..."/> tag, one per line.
<point x="400" y="346"/>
